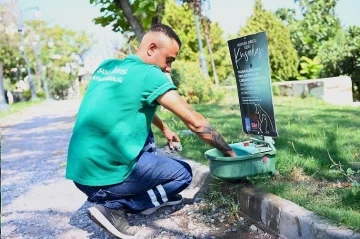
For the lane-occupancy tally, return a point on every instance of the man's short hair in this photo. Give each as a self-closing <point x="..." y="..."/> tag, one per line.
<point x="168" y="31"/>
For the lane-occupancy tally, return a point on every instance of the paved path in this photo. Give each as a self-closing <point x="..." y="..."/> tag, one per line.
<point x="38" y="202"/>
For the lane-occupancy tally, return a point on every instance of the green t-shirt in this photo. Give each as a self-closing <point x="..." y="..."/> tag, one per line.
<point x="113" y="121"/>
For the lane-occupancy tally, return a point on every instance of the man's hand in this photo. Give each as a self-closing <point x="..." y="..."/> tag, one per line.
<point x="173" y="144"/>
<point x="171" y="138"/>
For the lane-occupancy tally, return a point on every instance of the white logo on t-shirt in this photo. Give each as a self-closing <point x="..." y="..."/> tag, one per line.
<point x="116" y="75"/>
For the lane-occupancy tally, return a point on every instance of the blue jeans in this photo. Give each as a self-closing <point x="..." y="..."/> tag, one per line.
<point x="154" y="180"/>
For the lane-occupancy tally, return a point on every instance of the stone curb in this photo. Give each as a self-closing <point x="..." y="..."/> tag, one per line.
<point x="288" y="219"/>
<point x="282" y="217"/>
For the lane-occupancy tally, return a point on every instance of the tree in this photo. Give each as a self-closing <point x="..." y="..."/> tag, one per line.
<point x="10" y="57"/>
<point x="181" y="18"/>
<point x="136" y="15"/>
<point x="341" y="56"/>
<point x="64" y="56"/>
<point x="125" y="16"/>
<point x="318" y="25"/>
<point x="286" y="15"/>
<point x="218" y="45"/>
<point x="205" y="22"/>
<point x="178" y="14"/>
<point x="282" y="54"/>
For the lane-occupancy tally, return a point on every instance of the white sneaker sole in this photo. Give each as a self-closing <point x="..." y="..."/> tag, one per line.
<point x="153" y="209"/>
<point x="102" y="221"/>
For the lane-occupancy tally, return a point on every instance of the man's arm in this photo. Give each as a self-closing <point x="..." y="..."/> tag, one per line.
<point x="169" y="134"/>
<point x="197" y="123"/>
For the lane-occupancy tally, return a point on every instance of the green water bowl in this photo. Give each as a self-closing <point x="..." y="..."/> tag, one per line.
<point x="254" y="157"/>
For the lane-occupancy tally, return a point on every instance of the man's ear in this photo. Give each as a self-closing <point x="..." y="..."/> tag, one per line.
<point x="151" y="49"/>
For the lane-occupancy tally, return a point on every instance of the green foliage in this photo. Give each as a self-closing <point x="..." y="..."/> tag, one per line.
<point x="219" y="49"/>
<point x="318" y="25"/>
<point x="26" y="95"/>
<point x="10" y="55"/>
<point x="180" y="16"/>
<point x="114" y="16"/>
<point x="67" y="50"/>
<point x="70" y="48"/>
<point x="182" y="19"/>
<point x="192" y="84"/>
<point x="276" y="90"/>
<point x="319" y="33"/>
<point x="283" y="57"/>
<point x="349" y="174"/>
<point x="183" y="23"/>
<point x="222" y="195"/>
<point x="60" y="84"/>
<point x="310" y="68"/>
<point x="341" y="56"/>
<point x="286" y="15"/>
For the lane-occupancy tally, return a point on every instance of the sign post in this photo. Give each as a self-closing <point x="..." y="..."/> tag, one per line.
<point x="250" y="59"/>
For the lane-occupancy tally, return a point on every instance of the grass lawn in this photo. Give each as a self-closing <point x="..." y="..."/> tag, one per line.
<point x="311" y="133"/>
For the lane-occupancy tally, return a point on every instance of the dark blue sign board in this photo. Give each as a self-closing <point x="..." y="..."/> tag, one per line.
<point x="250" y="60"/>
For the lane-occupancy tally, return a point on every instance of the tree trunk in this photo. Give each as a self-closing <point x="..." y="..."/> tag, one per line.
<point x="159" y="13"/>
<point x="133" y="21"/>
<point x="212" y="60"/>
<point x="3" y="105"/>
<point x="37" y="68"/>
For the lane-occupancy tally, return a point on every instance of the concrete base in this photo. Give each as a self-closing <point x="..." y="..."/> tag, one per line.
<point x="333" y="90"/>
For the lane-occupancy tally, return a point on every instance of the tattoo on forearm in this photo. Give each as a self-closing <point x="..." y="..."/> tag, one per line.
<point x="217" y="140"/>
<point x="189" y="113"/>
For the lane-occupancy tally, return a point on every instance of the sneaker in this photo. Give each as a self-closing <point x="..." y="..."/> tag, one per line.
<point x="175" y="200"/>
<point x="114" y="221"/>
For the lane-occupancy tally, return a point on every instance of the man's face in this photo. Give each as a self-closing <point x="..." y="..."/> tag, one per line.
<point x="165" y="54"/>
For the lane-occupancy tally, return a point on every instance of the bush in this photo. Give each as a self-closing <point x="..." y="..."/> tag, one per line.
<point x="24" y="95"/>
<point x="310" y="68"/>
<point x="60" y="84"/>
<point x="192" y="84"/>
<point x="41" y="94"/>
<point x="341" y="56"/>
<point x="276" y="90"/>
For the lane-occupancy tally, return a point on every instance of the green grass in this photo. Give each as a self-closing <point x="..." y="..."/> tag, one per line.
<point x="13" y="108"/>
<point x="310" y="132"/>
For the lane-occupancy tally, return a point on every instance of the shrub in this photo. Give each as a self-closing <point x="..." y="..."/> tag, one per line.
<point x="192" y="84"/>
<point x="60" y="84"/>
<point x="310" y="68"/>
<point x="341" y="56"/>
<point x="40" y="93"/>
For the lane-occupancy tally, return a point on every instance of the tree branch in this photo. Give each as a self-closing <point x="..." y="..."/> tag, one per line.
<point x="133" y="21"/>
